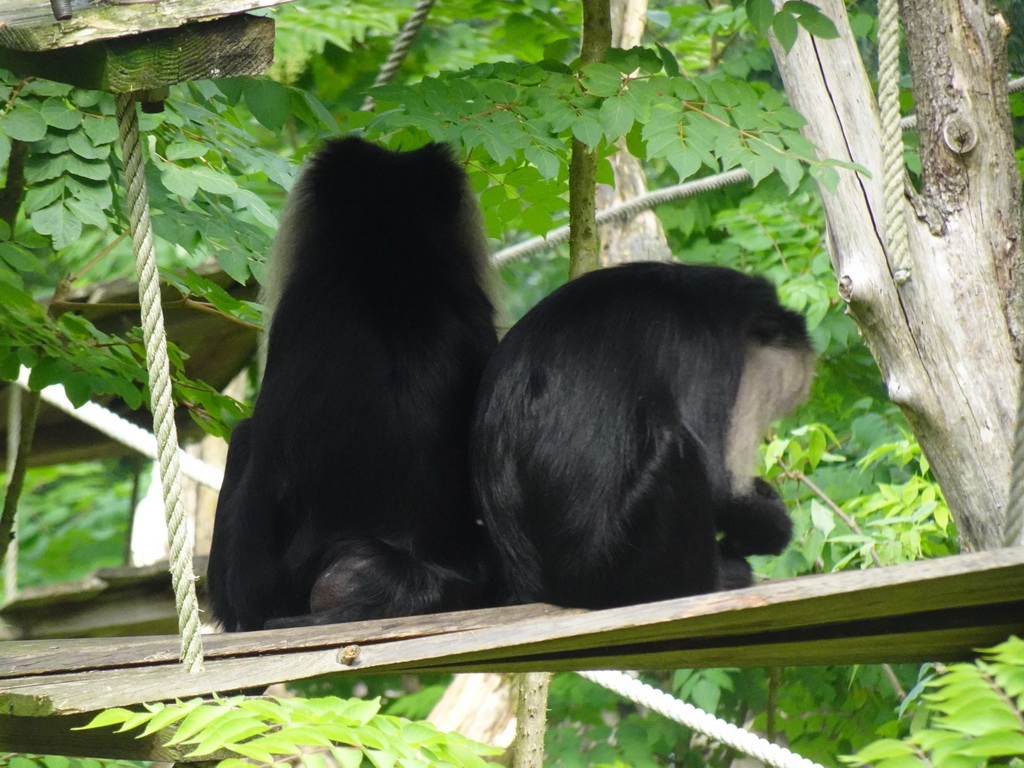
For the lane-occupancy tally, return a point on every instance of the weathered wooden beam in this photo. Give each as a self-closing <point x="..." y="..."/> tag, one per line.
<point x="108" y="602"/>
<point x="54" y="736"/>
<point x="931" y="610"/>
<point x="29" y="25"/>
<point x="227" y="47"/>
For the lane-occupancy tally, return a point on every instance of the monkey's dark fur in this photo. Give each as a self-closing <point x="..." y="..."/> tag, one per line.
<point x="347" y="494"/>
<point x="616" y="434"/>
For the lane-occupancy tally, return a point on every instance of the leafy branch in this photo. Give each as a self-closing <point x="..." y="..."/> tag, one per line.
<point x="268" y="731"/>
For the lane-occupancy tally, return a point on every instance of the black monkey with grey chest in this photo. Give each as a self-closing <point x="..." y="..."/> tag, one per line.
<point x="616" y="433"/>
<point x="347" y="493"/>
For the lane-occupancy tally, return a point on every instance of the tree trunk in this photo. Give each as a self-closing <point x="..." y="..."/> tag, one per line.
<point x="944" y="339"/>
<point x="480" y="707"/>
<point x="642" y="237"/>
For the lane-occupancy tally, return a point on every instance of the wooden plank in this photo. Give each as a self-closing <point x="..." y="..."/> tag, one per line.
<point x="26" y="658"/>
<point x="28" y="25"/>
<point x="110" y="601"/>
<point x="54" y="736"/>
<point x="228" y="47"/>
<point x="914" y="638"/>
<point x="837" y="618"/>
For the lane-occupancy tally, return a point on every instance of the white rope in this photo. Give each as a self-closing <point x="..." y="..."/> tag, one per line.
<point x="624" y="210"/>
<point x="182" y="573"/>
<point x="126" y="433"/>
<point x="700" y="721"/>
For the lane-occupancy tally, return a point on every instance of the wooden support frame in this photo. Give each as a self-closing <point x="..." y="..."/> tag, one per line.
<point x="930" y="610"/>
<point x="227" y="47"/>
<point x="29" y="25"/>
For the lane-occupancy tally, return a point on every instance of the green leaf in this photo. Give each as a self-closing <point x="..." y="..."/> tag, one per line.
<point x="214" y="181"/>
<point x="23" y="123"/>
<point x="360" y="711"/>
<point x="60" y="223"/>
<point x="1000" y="744"/>
<point x="683" y="160"/>
<point x="420" y="733"/>
<point x="588" y="130"/>
<point x="668" y="60"/>
<point x="100" y="130"/>
<point x="88" y="212"/>
<point x="785" y="29"/>
<point x="884" y="748"/>
<point x="186" y="150"/>
<point x="236" y="726"/>
<point x="197" y="719"/>
<point x="269" y="102"/>
<point x="78" y="142"/>
<point x="760" y="14"/>
<point x="381" y="759"/>
<point x="616" y="117"/>
<point x="600" y="79"/>
<point x="347" y="757"/>
<point x="813" y="20"/>
<point x="28" y="356"/>
<point x="49" y="370"/>
<point x="178" y="180"/>
<point x="20" y="259"/>
<point x="78" y="388"/>
<point x="547" y="163"/>
<point x="96" y="170"/>
<point x="58" y="114"/>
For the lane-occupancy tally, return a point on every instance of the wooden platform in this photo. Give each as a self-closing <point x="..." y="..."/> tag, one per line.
<point x="932" y="610"/>
<point x="108" y="602"/>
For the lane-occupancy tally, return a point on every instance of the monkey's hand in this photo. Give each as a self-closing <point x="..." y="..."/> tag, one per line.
<point x="756" y="523"/>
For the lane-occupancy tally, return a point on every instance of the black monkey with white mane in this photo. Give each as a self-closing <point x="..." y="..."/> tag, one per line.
<point x="616" y="434"/>
<point x="347" y="493"/>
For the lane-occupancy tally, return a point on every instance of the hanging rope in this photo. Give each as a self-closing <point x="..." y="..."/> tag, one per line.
<point x="182" y="576"/>
<point x="410" y="29"/>
<point x="1013" y="532"/>
<point x="896" y="241"/>
<point x="700" y="721"/>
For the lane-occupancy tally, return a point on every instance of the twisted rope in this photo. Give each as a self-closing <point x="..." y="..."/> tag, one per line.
<point x="624" y="210"/>
<point x="897" y="244"/>
<point x="1013" y="531"/>
<point x="700" y="721"/>
<point x="401" y="47"/>
<point x="182" y="576"/>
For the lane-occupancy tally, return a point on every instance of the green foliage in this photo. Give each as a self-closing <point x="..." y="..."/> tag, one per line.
<point x="73" y="518"/>
<point x="972" y="715"/>
<point x="786" y="22"/>
<point x="893" y="522"/>
<point x="58" y="761"/>
<point x="403" y="695"/>
<point x="352" y="732"/>
<point x="200" y="210"/>
<point x="515" y="121"/>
